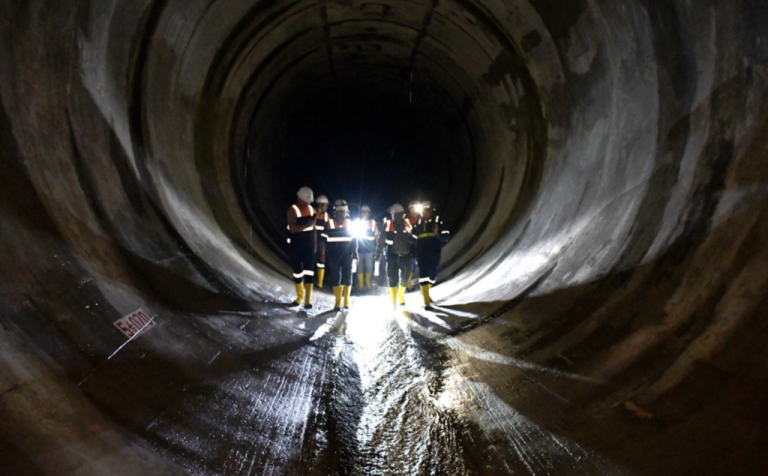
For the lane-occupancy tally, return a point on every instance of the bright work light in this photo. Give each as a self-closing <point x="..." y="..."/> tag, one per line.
<point x="358" y="228"/>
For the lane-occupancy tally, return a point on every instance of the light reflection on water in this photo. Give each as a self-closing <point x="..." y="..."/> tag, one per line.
<point x="418" y="406"/>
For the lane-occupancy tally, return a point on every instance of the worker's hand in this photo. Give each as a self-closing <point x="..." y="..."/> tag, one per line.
<point x="408" y="227"/>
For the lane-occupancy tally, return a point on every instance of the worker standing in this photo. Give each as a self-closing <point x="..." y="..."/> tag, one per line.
<point x="340" y="250"/>
<point x="321" y="208"/>
<point x="366" y="247"/>
<point x="302" y="245"/>
<point x="397" y="239"/>
<point x="431" y="235"/>
<point x="414" y="215"/>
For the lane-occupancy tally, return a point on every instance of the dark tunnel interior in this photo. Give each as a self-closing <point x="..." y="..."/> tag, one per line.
<point x="601" y="305"/>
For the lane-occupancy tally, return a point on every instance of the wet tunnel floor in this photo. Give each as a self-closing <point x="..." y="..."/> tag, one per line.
<point x="370" y="392"/>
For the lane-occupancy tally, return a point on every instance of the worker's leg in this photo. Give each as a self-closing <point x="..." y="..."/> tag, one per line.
<point x="393" y="276"/>
<point x="309" y="275"/>
<point x="320" y="275"/>
<point x="410" y="275"/>
<point x="404" y="268"/>
<point x="298" y="272"/>
<point x="367" y="260"/>
<point x="333" y="268"/>
<point x="426" y="263"/>
<point x="346" y="277"/>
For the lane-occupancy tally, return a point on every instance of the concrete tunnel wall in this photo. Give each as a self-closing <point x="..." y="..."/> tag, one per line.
<point x="607" y="161"/>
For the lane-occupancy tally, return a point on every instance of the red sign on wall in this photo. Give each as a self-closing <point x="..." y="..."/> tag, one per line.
<point x="135" y="323"/>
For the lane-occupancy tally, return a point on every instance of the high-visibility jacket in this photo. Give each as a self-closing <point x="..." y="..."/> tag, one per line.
<point x="395" y="239"/>
<point x="367" y="242"/>
<point x="322" y="221"/>
<point x="303" y="216"/>
<point x="338" y="237"/>
<point x="426" y="238"/>
<point x="413" y="219"/>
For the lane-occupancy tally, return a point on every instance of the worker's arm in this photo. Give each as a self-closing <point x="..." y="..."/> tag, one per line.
<point x="380" y="246"/>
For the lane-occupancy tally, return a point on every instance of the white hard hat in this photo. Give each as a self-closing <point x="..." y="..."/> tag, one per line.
<point x="365" y="208"/>
<point x="341" y="205"/>
<point x="414" y="203"/>
<point x="396" y="208"/>
<point x="305" y="193"/>
<point x="322" y="199"/>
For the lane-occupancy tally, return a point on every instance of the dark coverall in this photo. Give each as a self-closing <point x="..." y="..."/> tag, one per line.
<point x="428" y="246"/>
<point x="301" y="246"/>
<point x="320" y="224"/>
<point x="339" y="250"/>
<point x="399" y="245"/>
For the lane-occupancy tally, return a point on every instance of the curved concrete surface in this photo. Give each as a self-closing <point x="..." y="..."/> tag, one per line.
<point x="602" y="306"/>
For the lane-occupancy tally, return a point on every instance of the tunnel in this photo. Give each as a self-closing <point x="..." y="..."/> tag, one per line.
<point x="602" y="166"/>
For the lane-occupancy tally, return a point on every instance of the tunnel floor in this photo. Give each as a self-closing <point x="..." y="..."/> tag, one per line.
<point x="367" y="391"/>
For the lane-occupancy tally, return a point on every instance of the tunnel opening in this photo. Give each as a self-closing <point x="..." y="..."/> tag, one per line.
<point x="368" y="147"/>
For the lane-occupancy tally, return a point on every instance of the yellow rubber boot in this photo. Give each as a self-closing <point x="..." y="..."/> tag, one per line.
<point x="308" y="295"/>
<point x="401" y="295"/>
<point x="393" y="296"/>
<point x="337" y="290"/>
<point x="299" y="294"/>
<point x="408" y="284"/>
<point x="368" y="281"/>
<point x="360" y="283"/>
<point x="347" y="292"/>
<point x="425" y="295"/>
<point x="320" y="277"/>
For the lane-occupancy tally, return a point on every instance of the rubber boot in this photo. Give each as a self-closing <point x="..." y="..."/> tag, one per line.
<point x="299" y="294"/>
<point x="307" y="296"/>
<point x="393" y="296"/>
<point x="337" y="291"/>
<point x="401" y="295"/>
<point x="408" y="284"/>
<point x="347" y="292"/>
<point x="360" y="283"/>
<point x="320" y="277"/>
<point x="425" y="294"/>
<point x="368" y="285"/>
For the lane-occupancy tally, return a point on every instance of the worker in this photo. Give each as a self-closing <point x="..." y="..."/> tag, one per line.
<point x="340" y="249"/>
<point x="414" y="215"/>
<point x="431" y="234"/>
<point x="321" y="208"/>
<point x="302" y="245"/>
<point x="366" y="231"/>
<point x="397" y="239"/>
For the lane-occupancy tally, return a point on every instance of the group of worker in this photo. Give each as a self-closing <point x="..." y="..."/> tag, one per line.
<point x="334" y="247"/>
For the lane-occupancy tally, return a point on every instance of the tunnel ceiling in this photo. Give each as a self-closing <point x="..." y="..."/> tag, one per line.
<point x="601" y="163"/>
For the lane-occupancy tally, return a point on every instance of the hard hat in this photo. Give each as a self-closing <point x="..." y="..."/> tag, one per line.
<point x="322" y="199"/>
<point x="396" y="208"/>
<point x="341" y="205"/>
<point x="414" y="203"/>
<point x="425" y="205"/>
<point x="305" y="193"/>
<point x="365" y="208"/>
